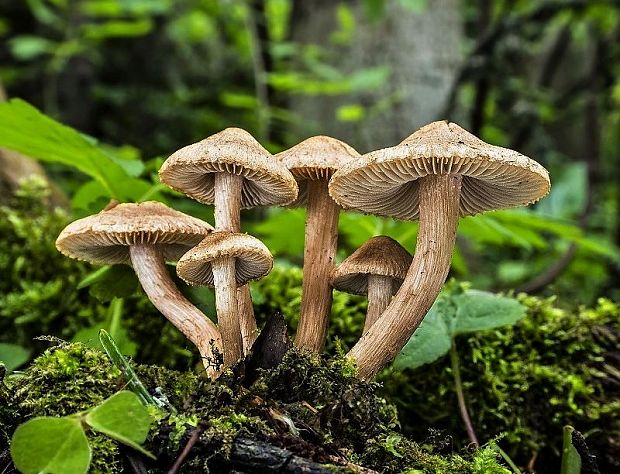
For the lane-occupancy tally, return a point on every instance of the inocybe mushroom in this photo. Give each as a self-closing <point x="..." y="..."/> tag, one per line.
<point x="251" y="260"/>
<point x="312" y="163"/>
<point x="144" y="236"/>
<point x="439" y="173"/>
<point x="376" y="269"/>
<point x="233" y="171"/>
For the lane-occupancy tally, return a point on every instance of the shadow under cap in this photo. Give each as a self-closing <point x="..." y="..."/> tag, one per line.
<point x="191" y="170"/>
<point x="252" y="259"/>
<point x="384" y="182"/>
<point x="381" y="256"/>
<point x="104" y="238"/>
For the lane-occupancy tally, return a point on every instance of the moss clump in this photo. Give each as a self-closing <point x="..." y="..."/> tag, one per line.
<point x="310" y="406"/>
<point x="527" y="381"/>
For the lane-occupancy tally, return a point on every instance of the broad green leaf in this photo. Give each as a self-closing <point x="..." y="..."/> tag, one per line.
<point x="25" y="129"/>
<point x="430" y="341"/>
<point x="571" y="460"/>
<point x="124" y="418"/>
<point x="28" y="47"/>
<point x="481" y="310"/>
<point x="12" y="355"/>
<point x="51" y="445"/>
<point x="119" y="281"/>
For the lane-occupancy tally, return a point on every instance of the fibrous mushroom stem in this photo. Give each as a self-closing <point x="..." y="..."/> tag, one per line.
<point x="150" y="267"/>
<point x="227" y="309"/>
<point x="247" y="321"/>
<point x="319" y="253"/>
<point x="379" y="297"/>
<point x="227" y="188"/>
<point x="439" y="213"/>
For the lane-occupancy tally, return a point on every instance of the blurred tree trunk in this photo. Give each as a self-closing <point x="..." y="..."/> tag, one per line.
<point x="423" y="50"/>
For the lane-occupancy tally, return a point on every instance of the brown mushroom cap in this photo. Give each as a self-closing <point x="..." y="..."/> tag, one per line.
<point x="380" y="255"/>
<point x="316" y="158"/>
<point x="105" y="238"/>
<point x="266" y="182"/>
<point x="252" y="259"/>
<point x="384" y="182"/>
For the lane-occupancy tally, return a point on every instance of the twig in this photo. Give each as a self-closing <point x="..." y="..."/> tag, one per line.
<point x="456" y="373"/>
<point x="193" y="439"/>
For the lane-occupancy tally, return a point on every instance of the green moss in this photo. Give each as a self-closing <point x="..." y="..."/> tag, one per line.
<point x="328" y="410"/>
<point x="526" y="381"/>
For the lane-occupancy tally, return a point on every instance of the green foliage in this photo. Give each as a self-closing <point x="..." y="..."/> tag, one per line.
<point x="456" y="311"/>
<point x="60" y="445"/>
<point x="571" y="461"/>
<point x="552" y="368"/>
<point x="51" y="445"/>
<point x="12" y="355"/>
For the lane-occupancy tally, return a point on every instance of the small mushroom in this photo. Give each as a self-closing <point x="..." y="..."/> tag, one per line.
<point x="226" y="260"/>
<point x="439" y="173"/>
<point x="312" y="163"/>
<point x="233" y="171"/>
<point x="145" y="236"/>
<point x="376" y="269"/>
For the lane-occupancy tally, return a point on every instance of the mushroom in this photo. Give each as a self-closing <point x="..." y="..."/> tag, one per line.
<point x="439" y="173"/>
<point x="243" y="257"/>
<point x="231" y="170"/>
<point x="144" y="236"/>
<point x="376" y="269"/>
<point x="312" y="163"/>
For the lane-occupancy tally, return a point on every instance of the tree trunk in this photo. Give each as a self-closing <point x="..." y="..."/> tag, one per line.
<point x="423" y="50"/>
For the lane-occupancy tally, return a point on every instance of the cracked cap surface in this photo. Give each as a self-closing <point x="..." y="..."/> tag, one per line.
<point x="385" y="182"/>
<point x="191" y="170"/>
<point x="104" y="238"/>
<point x="252" y="259"/>
<point x="381" y="256"/>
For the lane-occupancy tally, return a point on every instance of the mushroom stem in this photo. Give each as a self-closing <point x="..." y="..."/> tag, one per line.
<point x="379" y="297"/>
<point x="320" y="245"/>
<point x="247" y="321"/>
<point x="150" y="267"/>
<point x="439" y="214"/>
<point x="227" y="308"/>
<point x="227" y="202"/>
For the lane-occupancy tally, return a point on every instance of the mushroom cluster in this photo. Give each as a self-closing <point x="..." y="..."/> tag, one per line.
<point x="438" y="174"/>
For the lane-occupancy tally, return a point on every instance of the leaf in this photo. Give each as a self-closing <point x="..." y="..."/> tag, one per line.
<point x="28" y="47"/>
<point x="430" y="341"/>
<point x="12" y="355"/>
<point x="51" y="445"/>
<point x="124" y="418"/>
<point x="119" y="361"/>
<point x="118" y="282"/>
<point x="25" y="129"/>
<point x="571" y="460"/>
<point x="481" y="310"/>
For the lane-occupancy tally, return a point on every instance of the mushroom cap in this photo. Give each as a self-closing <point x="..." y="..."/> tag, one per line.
<point x="380" y="255"/>
<point x="104" y="238"/>
<point x="252" y="259"/>
<point x="384" y="182"/>
<point x="191" y="170"/>
<point x="316" y="158"/>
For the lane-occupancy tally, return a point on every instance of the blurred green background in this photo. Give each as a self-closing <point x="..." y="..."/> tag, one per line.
<point x="146" y="77"/>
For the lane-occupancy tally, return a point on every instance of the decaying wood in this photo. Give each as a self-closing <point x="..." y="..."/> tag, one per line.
<point x="149" y="265"/>
<point x="319" y="257"/>
<point x="439" y="213"/>
<point x="379" y="297"/>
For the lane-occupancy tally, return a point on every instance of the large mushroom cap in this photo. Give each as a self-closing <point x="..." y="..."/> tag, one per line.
<point x="316" y="158"/>
<point x="380" y="255"/>
<point x="252" y="259"/>
<point x="266" y="181"/>
<point x="105" y="238"/>
<point x="385" y="182"/>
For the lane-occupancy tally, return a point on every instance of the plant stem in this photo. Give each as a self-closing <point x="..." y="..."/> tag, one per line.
<point x="458" y="384"/>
